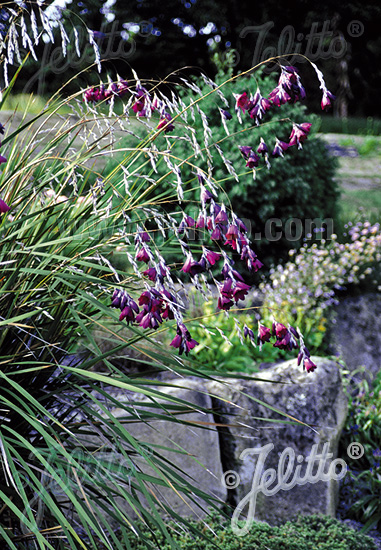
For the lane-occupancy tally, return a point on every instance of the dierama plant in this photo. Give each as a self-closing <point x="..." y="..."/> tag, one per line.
<point x="65" y="224"/>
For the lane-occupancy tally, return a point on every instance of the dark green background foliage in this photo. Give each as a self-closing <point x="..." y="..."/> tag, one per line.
<point x="305" y="533"/>
<point x="161" y="45"/>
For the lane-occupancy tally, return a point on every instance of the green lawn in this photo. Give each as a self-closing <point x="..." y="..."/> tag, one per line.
<point x="359" y="177"/>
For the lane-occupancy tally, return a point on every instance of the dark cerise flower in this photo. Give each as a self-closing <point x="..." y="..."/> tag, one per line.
<point x="280" y="147"/>
<point x="165" y="122"/>
<point x="246" y="150"/>
<point x="287" y="342"/>
<point x="150" y="316"/>
<point x="262" y="149"/>
<point x="264" y="334"/>
<point x="2" y="159"/>
<point x="142" y="255"/>
<point x="221" y="217"/>
<point x="211" y="257"/>
<point x="240" y="291"/>
<point x="242" y="101"/>
<point x="2" y="129"/>
<point x="151" y="273"/>
<point x="200" y="223"/>
<point x="299" y="133"/>
<point x="279" y="330"/>
<point x="217" y="233"/>
<point x="253" y="160"/>
<point x="232" y="233"/>
<point x="3" y="207"/>
<point x="192" y="267"/>
<point x="279" y="96"/>
<point x="327" y="99"/>
<point x="183" y="340"/>
<point x="122" y="88"/>
<point x="95" y="94"/>
<point x="308" y="365"/>
<point x="289" y="87"/>
<point x="126" y="304"/>
<point x="252" y="261"/>
<point x="205" y="195"/>
<point x="258" y="106"/>
<point x="141" y="96"/>
<point x="167" y="300"/>
<point x="142" y="236"/>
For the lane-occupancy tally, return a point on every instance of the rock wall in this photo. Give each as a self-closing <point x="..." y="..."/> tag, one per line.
<point x="241" y="421"/>
<point x="356" y="333"/>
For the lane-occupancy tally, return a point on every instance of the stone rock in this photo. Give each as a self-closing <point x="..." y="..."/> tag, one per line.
<point x="316" y="399"/>
<point x="201" y="466"/>
<point x="356" y="333"/>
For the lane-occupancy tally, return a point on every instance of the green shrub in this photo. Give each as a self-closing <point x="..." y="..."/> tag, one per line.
<point x="304" y="533"/>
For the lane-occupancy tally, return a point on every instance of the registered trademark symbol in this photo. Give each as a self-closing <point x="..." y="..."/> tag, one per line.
<point x="355" y="28"/>
<point x="355" y="450"/>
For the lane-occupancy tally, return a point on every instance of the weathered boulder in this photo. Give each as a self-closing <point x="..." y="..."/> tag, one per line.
<point x="193" y="449"/>
<point x="356" y="333"/>
<point x="316" y="398"/>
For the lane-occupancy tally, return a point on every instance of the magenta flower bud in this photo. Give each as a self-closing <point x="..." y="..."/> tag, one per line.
<point x="2" y="159"/>
<point x="327" y="100"/>
<point x="144" y="237"/>
<point x="253" y="160"/>
<point x="247" y="332"/>
<point x="246" y="150"/>
<point x="142" y="255"/>
<point x="3" y="207"/>
<point x="264" y="334"/>
<point x="279" y="330"/>
<point x="151" y="273"/>
<point x="216" y="234"/>
<point x="205" y="195"/>
<point x="308" y="365"/>
<point x="299" y="133"/>
<point x="200" y="223"/>
<point x="211" y="257"/>
<point x="255" y="265"/>
<point x="242" y="101"/>
<point x="280" y="147"/>
<point x="221" y="217"/>
<point x="189" y="221"/>
<point x="166" y="123"/>
<point x="262" y="149"/>
<point x="2" y="129"/>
